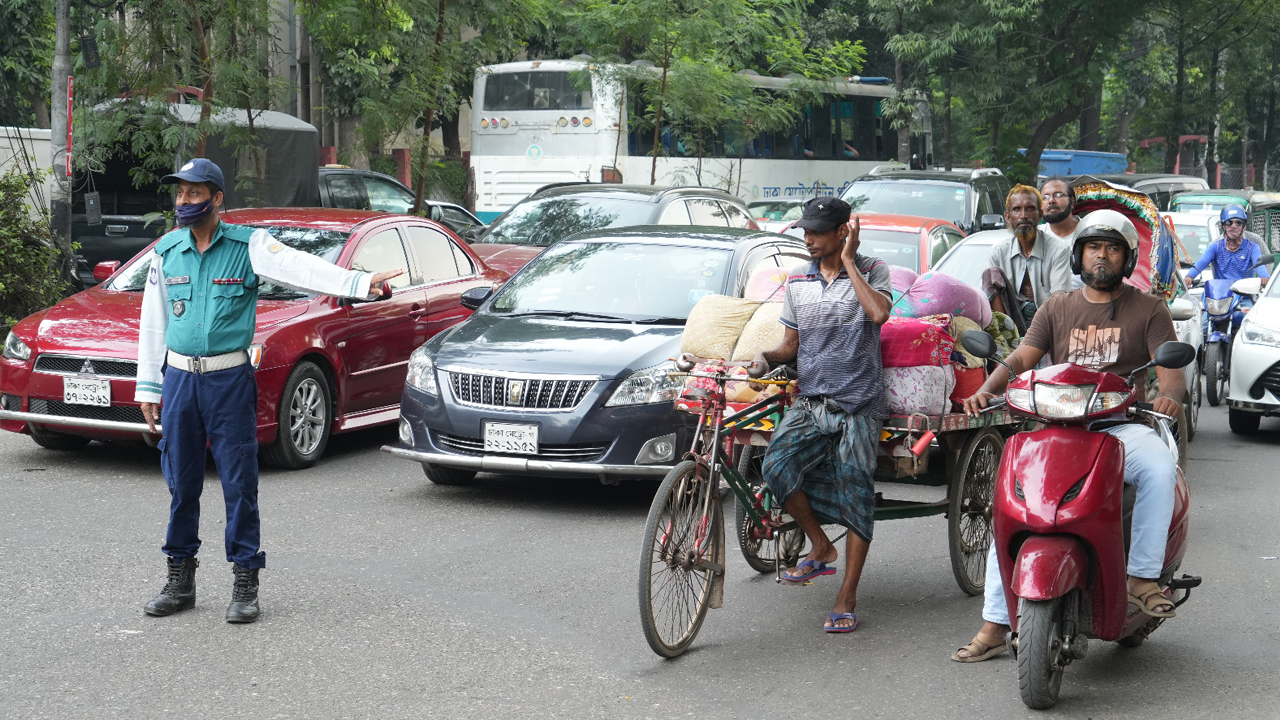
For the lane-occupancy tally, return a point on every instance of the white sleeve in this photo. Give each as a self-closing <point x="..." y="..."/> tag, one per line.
<point x="283" y="265"/>
<point x="151" y="347"/>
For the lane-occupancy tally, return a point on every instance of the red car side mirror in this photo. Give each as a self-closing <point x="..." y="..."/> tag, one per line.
<point x="105" y="269"/>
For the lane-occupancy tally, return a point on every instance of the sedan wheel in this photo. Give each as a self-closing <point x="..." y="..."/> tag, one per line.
<point x="304" y="422"/>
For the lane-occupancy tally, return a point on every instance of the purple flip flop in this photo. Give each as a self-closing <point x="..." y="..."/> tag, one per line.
<point x="835" y="616"/>
<point x="819" y="569"/>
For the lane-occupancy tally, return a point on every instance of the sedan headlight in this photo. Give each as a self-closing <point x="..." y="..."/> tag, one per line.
<point x="1251" y="332"/>
<point x="1062" y="402"/>
<point x="1218" y="306"/>
<point x="15" y="349"/>
<point x="422" y="372"/>
<point x="650" y="385"/>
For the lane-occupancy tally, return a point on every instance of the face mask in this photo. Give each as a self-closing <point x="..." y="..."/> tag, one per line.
<point x="192" y="214"/>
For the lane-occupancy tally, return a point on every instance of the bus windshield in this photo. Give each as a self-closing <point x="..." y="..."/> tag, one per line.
<point x="537" y="90"/>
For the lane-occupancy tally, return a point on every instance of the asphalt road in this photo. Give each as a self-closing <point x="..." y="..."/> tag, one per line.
<point x="386" y="596"/>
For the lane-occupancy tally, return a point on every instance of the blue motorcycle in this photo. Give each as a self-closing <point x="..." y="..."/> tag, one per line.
<point x="1223" y="312"/>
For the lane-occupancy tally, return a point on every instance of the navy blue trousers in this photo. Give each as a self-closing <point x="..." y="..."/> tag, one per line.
<point x="216" y="409"/>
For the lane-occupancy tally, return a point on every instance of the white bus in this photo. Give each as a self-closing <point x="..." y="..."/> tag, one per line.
<point x="532" y="126"/>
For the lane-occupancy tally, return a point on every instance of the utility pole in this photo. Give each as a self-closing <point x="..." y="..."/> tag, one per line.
<point x="59" y="106"/>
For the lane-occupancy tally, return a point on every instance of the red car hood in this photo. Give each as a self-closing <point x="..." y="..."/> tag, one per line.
<point x="99" y="322"/>
<point x="506" y="257"/>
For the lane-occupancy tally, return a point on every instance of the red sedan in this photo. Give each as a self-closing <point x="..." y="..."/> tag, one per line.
<point x="916" y="243"/>
<point x="324" y="364"/>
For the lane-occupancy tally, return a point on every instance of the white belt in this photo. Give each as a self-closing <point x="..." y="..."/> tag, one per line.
<point x="212" y="363"/>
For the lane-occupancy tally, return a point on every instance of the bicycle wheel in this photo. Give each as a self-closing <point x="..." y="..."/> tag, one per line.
<point x="762" y="555"/>
<point x="677" y="562"/>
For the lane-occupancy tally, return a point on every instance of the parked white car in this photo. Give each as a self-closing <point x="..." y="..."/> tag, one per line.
<point x="1255" y="360"/>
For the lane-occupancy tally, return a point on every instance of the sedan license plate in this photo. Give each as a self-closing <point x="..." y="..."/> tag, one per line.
<point x="79" y="391"/>
<point x="511" y="439"/>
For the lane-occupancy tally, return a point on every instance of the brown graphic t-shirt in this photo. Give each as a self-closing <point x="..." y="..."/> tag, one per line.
<point x="1072" y="329"/>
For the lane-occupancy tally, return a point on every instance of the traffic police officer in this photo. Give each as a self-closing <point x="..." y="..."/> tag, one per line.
<point x="198" y="319"/>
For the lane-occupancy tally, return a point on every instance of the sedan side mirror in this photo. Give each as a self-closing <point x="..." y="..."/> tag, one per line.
<point x="1182" y="309"/>
<point x="105" y="269"/>
<point x="475" y="297"/>
<point x="469" y="234"/>
<point x="992" y="222"/>
<point x="1174" y="355"/>
<point x="1247" y="286"/>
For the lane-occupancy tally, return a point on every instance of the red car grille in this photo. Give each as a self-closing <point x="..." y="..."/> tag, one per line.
<point x="116" y="413"/>
<point x="582" y="452"/>
<point x="512" y="392"/>
<point x="97" y="366"/>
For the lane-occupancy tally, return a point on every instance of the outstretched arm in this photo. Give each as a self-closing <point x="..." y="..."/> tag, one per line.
<point x="283" y="265"/>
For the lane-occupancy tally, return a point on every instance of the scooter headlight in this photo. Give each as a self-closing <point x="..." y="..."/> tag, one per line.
<point x="1254" y="334"/>
<point x="1020" y="398"/>
<point x="1218" y="306"/>
<point x="1063" y="402"/>
<point x="1107" y="401"/>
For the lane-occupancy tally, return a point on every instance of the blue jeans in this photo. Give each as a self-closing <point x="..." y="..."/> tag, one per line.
<point x="1152" y="469"/>
<point x="217" y="410"/>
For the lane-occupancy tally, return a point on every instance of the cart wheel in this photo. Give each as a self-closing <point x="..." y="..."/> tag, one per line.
<point x="681" y="537"/>
<point x="762" y="555"/>
<point x="969" y="514"/>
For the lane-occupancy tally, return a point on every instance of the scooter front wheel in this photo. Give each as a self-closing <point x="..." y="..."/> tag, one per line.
<point x="1040" y="656"/>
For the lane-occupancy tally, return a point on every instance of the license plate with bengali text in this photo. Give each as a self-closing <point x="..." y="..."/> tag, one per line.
<point x="511" y="439"/>
<point x="84" y="391"/>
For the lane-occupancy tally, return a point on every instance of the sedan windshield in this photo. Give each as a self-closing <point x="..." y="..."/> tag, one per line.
<point x="966" y="262"/>
<point x="325" y="244"/>
<point x="622" y="282"/>
<point x="944" y="201"/>
<point x="547" y="221"/>
<point x="895" y="247"/>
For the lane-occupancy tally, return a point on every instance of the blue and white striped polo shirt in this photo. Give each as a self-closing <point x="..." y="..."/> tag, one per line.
<point x="839" y="353"/>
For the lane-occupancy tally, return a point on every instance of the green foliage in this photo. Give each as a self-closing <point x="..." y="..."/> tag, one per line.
<point x="446" y="180"/>
<point x="26" y="57"/>
<point x="29" y="261"/>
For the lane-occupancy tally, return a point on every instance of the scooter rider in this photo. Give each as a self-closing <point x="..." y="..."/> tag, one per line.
<point x="1113" y="327"/>
<point x="1234" y="254"/>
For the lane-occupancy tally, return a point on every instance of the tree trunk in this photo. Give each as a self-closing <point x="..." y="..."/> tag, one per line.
<point x="40" y="108"/>
<point x="1172" y="147"/>
<point x="1122" y="130"/>
<point x="995" y="141"/>
<point x="207" y="69"/>
<point x="1043" y="132"/>
<point x="428" y="116"/>
<point x="948" y="158"/>
<point x="657" y="121"/>
<point x="1212" y="157"/>
<point x="904" y="115"/>
<point x="449" y="133"/>
<point x="1091" y="121"/>
<point x="350" y="143"/>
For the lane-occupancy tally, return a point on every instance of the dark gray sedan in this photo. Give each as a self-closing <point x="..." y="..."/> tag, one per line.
<point x="565" y="369"/>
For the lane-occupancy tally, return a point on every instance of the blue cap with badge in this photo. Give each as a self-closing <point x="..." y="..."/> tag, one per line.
<point x="197" y="170"/>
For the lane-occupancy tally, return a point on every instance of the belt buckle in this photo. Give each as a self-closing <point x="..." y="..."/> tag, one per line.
<point x="197" y="365"/>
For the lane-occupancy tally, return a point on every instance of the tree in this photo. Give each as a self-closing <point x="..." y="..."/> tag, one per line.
<point x="26" y="57"/>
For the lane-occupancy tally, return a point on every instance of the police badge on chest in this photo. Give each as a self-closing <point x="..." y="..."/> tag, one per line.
<point x="179" y="307"/>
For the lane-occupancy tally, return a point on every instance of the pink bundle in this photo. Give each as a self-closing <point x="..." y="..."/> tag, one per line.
<point x="935" y="293"/>
<point x="915" y="342"/>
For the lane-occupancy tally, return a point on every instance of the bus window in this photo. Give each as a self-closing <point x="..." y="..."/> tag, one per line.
<point x="541" y="90"/>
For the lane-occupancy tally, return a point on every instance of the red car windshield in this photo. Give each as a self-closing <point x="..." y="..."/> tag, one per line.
<point x="324" y="244"/>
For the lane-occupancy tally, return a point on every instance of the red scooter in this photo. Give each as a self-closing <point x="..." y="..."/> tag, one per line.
<point x="1062" y="517"/>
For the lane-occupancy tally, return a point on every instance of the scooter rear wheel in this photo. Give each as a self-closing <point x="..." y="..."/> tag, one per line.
<point x="1040" y="657"/>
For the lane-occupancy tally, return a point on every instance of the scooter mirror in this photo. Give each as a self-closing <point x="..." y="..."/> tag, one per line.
<point x="979" y="344"/>
<point x="1247" y="286"/>
<point x="1266" y="260"/>
<point x="1174" y="355"/>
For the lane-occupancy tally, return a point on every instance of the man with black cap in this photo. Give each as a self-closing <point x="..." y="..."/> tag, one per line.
<point x="821" y="458"/>
<point x="194" y="376"/>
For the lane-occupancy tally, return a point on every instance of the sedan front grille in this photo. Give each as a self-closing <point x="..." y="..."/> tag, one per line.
<point x="115" y="413"/>
<point x="83" y="365"/>
<point x="523" y="393"/>
<point x="579" y="452"/>
<point x="1269" y="380"/>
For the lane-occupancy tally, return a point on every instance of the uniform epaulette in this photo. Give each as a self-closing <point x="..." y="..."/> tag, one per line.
<point x="171" y="239"/>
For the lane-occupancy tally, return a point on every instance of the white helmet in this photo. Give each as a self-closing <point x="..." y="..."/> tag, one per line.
<point x="1109" y="225"/>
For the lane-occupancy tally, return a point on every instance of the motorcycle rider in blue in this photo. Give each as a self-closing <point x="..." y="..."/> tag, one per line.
<point x="199" y="309"/>
<point x="1234" y="254"/>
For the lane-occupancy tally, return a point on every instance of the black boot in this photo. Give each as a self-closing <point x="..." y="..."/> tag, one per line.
<point x="180" y="592"/>
<point x="244" y="596"/>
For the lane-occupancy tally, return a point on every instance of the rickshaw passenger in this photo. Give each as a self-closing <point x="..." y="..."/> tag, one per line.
<point x="823" y="454"/>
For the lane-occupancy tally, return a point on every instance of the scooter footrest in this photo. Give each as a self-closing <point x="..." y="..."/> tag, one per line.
<point x="1186" y="582"/>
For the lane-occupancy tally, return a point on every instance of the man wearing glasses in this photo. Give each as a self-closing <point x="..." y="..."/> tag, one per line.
<point x="1234" y="254"/>
<point x="1059" y="209"/>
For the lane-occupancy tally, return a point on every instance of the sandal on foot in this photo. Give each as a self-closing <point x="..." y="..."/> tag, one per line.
<point x="836" y="617"/>
<point x="818" y="569"/>
<point x="1153" y="598"/>
<point x="979" y="651"/>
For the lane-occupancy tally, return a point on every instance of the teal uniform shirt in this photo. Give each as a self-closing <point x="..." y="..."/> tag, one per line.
<point x="213" y="296"/>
